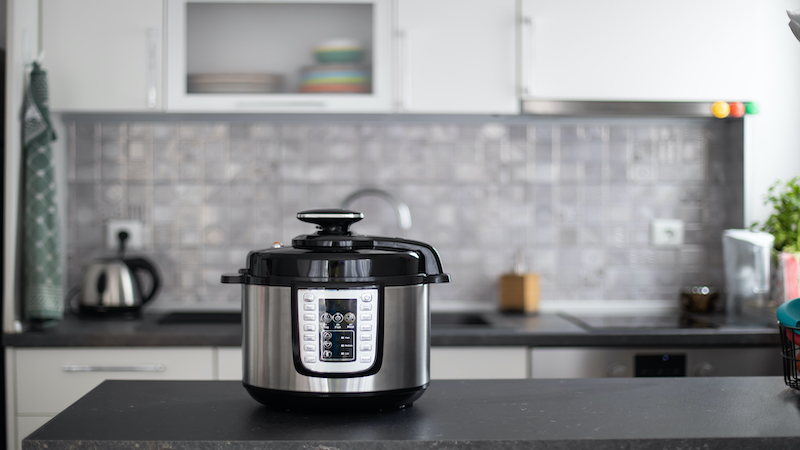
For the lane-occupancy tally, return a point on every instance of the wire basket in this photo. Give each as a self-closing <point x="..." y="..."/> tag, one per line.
<point x="790" y="350"/>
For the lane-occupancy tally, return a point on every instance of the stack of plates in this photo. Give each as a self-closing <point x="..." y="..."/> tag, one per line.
<point x="339" y="69"/>
<point x="233" y="83"/>
<point x="351" y="78"/>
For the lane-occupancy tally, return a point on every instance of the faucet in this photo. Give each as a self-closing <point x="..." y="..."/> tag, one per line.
<point x="403" y="213"/>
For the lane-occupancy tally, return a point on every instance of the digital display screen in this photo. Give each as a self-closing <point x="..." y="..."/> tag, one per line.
<point x="337" y="329"/>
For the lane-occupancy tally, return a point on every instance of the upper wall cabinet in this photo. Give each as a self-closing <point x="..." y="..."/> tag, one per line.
<point x="279" y="56"/>
<point x="103" y="55"/>
<point x="454" y="56"/>
<point x="639" y="50"/>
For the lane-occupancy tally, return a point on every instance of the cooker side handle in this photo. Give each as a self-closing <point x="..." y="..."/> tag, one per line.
<point x="233" y="278"/>
<point x="429" y="257"/>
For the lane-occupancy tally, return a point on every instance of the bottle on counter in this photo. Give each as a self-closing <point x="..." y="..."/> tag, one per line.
<point x="519" y="290"/>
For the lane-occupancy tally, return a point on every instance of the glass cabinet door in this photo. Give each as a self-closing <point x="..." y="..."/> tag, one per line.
<point x="278" y="56"/>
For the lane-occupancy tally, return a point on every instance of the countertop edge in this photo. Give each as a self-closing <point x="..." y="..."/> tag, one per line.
<point x="722" y="443"/>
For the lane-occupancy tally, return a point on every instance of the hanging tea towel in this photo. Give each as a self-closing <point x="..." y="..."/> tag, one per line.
<point x="43" y="301"/>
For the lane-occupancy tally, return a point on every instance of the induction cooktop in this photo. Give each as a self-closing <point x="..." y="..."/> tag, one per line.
<point x="641" y="321"/>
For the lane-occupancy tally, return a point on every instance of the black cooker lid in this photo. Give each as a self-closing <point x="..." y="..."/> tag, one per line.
<point x="334" y="254"/>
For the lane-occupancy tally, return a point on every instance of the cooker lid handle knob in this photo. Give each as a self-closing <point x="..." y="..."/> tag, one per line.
<point x="331" y="221"/>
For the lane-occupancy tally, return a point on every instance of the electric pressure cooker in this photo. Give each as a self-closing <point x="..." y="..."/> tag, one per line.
<point x="337" y="321"/>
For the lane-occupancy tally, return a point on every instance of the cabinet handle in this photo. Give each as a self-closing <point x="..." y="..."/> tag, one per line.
<point x="403" y="66"/>
<point x="137" y="368"/>
<point x="526" y="49"/>
<point x="152" y="64"/>
<point x="284" y="104"/>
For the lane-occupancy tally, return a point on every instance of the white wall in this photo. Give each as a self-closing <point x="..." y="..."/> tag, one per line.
<point x="773" y="136"/>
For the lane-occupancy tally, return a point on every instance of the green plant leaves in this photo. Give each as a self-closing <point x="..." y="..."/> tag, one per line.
<point x="784" y="223"/>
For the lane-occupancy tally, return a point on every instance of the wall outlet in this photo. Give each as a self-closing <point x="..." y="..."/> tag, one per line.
<point x="132" y="227"/>
<point x="666" y="232"/>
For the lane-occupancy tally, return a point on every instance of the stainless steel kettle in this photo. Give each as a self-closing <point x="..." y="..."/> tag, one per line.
<point x="113" y="285"/>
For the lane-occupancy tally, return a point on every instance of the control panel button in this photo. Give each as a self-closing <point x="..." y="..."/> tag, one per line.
<point x="365" y="336"/>
<point x="365" y="306"/>
<point x="366" y="316"/>
<point x="349" y="317"/>
<point x="310" y="359"/>
<point x="309" y="347"/>
<point x="327" y="335"/>
<point x="338" y="317"/>
<point x="310" y="317"/>
<point x="365" y="359"/>
<point x="309" y="327"/>
<point x="365" y="327"/>
<point x="365" y="347"/>
<point x="327" y="344"/>
<point x="308" y="297"/>
<point x="311" y="337"/>
<point x="367" y="297"/>
<point x="326" y="317"/>
<point x="310" y="307"/>
<point x="327" y="354"/>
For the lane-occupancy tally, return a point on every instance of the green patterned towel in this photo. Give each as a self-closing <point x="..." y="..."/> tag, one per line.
<point x="43" y="300"/>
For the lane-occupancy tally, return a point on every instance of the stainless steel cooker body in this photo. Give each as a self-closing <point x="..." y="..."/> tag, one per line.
<point x="337" y="321"/>
<point x="272" y="336"/>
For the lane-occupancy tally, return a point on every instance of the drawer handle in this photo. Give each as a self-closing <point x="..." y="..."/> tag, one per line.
<point x="280" y="104"/>
<point x="152" y="67"/>
<point x="139" y="368"/>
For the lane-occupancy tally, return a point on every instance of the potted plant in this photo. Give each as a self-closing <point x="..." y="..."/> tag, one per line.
<point x="784" y="225"/>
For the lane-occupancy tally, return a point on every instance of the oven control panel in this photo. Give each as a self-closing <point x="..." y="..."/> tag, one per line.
<point x="338" y="329"/>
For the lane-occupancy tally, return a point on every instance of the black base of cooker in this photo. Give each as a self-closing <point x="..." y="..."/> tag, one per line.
<point x="338" y="401"/>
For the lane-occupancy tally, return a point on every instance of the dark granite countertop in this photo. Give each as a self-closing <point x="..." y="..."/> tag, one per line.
<point x="631" y="413"/>
<point x="448" y="329"/>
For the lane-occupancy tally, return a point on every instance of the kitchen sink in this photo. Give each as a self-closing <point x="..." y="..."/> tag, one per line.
<point x="458" y="319"/>
<point x="438" y="319"/>
<point x="200" y="317"/>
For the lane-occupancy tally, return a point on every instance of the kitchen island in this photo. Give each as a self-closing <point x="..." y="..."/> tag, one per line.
<point x="47" y="370"/>
<point x="634" y="413"/>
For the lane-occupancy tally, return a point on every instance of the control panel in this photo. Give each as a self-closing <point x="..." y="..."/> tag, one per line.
<point x="338" y="329"/>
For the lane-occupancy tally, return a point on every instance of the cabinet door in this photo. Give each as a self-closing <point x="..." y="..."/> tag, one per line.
<point x="229" y="363"/>
<point x="456" y="57"/>
<point x="27" y="425"/>
<point x="103" y="55"/>
<point x="479" y="363"/>
<point x="216" y="46"/>
<point x="576" y="362"/>
<point x="640" y="50"/>
<point x="49" y="380"/>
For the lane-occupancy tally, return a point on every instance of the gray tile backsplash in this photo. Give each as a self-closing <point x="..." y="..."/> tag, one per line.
<point x="576" y="196"/>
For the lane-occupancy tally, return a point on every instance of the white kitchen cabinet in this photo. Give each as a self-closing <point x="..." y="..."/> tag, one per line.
<point x="275" y="41"/>
<point x="49" y="380"/>
<point x="27" y="425"/>
<point x="229" y="363"/>
<point x="103" y="56"/>
<point x="680" y="50"/>
<point x="44" y="381"/>
<point x="591" y="362"/>
<point x="456" y="57"/>
<point x="446" y="362"/>
<point x="476" y="363"/>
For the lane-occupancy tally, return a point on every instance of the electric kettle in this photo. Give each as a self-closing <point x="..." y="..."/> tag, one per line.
<point x="114" y="285"/>
<point x="746" y="256"/>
